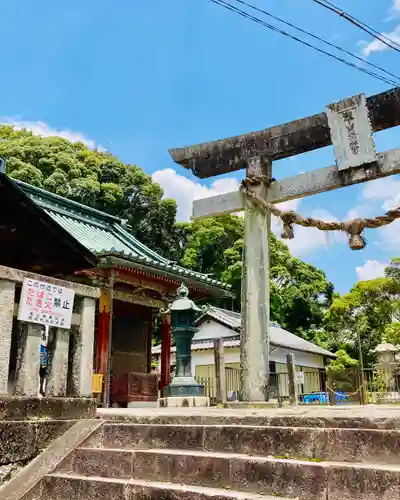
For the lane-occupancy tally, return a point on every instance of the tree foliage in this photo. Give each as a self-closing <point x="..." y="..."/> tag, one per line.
<point x="342" y="361"/>
<point x="300" y="293"/>
<point x="94" y="178"/>
<point x="368" y="308"/>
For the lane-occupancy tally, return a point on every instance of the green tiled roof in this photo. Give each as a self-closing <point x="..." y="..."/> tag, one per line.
<point x="105" y="236"/>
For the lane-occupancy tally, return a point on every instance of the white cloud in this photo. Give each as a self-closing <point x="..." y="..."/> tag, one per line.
<point x="378" y="46"/>
<point x="370" y="270"/>
<point x="386" y="191"/>
<point x="395" y="8"/>
<point x="185" y="190"/>
<point x="384" y="194"/>
<point x="44" y="130"/>
<point x="389" y="238"/>
<point x="307" y="240"/>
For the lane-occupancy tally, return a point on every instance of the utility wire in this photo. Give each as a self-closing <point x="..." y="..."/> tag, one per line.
<point x="246" y="15"/>
<point x="301" y="30"/>
<point x="360" y="24"/>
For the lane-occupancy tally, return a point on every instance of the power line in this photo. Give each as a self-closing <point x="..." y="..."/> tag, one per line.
<point x="301" y="30"/>
<point x="360" y="24"/>
<point x="246" y="15"/>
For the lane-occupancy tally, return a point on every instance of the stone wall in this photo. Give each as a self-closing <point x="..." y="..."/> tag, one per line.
<point x="29" y="425"/>
<point x="21" y="341"/>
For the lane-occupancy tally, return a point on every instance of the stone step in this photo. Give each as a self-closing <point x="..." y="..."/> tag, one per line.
<point x="328" y="444"/>
<point x="327" y="417"/>
<point x="305" y="480"/>
<point x="67" y="487"/>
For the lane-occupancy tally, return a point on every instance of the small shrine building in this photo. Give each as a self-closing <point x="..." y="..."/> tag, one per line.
<point x="44" y="233"/>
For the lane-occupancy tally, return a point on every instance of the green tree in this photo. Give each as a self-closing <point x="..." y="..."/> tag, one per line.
<point x="393" y="269"/>
<point x="95" y="179"/>
<point x="300" y="294"/>
<point x="342" y="361"/>
<point x="368" y="308"/>
<point x="392" y="333"/>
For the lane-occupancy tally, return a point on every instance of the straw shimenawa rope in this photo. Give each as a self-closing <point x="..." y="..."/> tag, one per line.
<point x="354" y="227"/>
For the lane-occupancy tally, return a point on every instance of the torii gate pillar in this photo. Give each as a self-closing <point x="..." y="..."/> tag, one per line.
<point x="254" y="338"/>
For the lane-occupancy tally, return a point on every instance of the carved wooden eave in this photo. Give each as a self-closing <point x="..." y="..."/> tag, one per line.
<point x="228" y="155"/>
<point x="141" y="298"/>
<point x="211" y="287"/>
<point x="141" y="281"/>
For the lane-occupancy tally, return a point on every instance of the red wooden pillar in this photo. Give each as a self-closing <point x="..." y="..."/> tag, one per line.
<point x="102" y="342"/>
<point x="165" y="378"/>
<point x="103" y="339"/>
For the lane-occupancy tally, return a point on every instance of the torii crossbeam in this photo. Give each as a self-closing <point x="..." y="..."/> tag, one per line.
<point x="348" y="125"/>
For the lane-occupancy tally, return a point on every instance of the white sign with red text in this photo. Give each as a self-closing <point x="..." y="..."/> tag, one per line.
<point x="46" y="304"/>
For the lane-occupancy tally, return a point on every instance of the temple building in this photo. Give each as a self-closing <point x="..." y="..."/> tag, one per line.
<point x="44" y="233"/>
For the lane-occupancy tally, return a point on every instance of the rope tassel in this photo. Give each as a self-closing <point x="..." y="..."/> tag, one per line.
<point x="354" y="227"/>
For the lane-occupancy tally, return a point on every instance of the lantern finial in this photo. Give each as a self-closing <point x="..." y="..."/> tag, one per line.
<point x="183" y="291"/>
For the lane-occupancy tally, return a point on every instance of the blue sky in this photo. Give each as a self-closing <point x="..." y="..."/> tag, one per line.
<point x="139" y="77"/>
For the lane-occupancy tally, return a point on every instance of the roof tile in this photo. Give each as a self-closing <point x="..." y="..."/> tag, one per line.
<point x="102" y="233"/>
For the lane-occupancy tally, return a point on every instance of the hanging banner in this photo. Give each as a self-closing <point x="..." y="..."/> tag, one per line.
<point x="46" y="304"/>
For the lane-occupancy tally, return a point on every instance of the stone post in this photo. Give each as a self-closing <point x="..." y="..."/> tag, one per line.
<point x="292" y="379"/>
<point x="220" y="378"/>
<point x="254" y="353"/>
<point x="83" y="350"/>
<point x="29" y="357"/>
<point x="7" y="293"/>
<point x="57" y="378"/>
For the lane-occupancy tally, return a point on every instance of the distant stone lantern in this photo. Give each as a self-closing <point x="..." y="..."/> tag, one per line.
<point x="385" y="353"/>
<point x="386" y="359"/>
<point x="183" y="387"/>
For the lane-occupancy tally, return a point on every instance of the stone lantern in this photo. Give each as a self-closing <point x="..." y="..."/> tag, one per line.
<point x="385" y="353"/>
<point x="386" y="360"/>
<point x="183" y="390"/>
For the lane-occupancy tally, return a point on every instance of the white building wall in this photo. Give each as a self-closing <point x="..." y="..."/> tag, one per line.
<point x="212" y="329"/>
<point x="278" y="354"/>
<point x="206" y="357"/>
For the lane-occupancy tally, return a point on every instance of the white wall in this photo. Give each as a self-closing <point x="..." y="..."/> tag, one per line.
<point x="212" y="329"/>
<point x="278" y="354"/>
<point x="206" y="357"/>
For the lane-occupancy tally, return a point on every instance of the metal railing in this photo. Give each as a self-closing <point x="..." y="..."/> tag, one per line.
<point x="310" y="385"/>
<point x="315" y="387"/>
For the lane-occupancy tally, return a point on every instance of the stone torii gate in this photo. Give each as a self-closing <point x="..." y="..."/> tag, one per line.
<point x="348" y="125"/>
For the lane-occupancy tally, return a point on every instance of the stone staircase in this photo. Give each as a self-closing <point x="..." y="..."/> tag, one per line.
<point x="181" y="460"/>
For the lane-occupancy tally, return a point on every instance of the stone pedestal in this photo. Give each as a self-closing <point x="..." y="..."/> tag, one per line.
<point x="57" y="377"/>
<point x="83" y="350"/>
<point x="184" y="402"/>
<point x="184" y="387"/>
<point x="7" y="292"/>
<point x="28" y="358"/>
